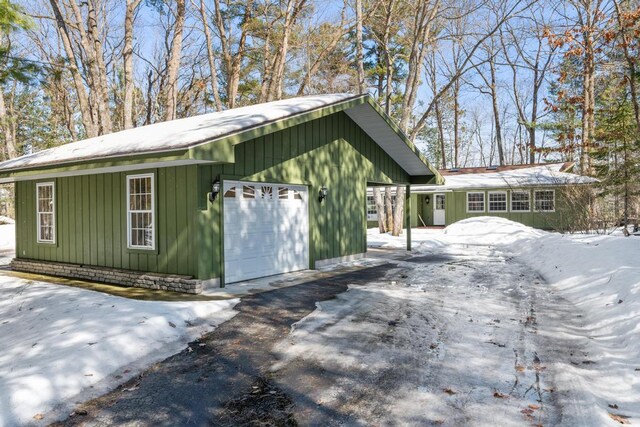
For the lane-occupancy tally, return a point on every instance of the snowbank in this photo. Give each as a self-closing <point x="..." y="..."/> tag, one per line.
<point x="601" y="276"/>
<point x="7" y="236"/>
<point x="487" y="230"/>
<point x="61" y="344"/>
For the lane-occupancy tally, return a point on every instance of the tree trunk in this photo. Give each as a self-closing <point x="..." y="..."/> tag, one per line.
<point x="398" y="213"/>
<point x="127" y="53"/>
<point x="210" y="56"/>
<point x="456" y="125"/>
<point x="101" y="86"/>
<point x="276" y="72"/>
<point x="359" y="49"/>
<point x="9" y="140"/>
<point x="232" y="61"/>
<point x="377" y="198"/>
<point x="387" y="57"/>
<point x="88" y="120"/>
<point x="173" y="64"/>
<point x="496" y="111"/>
<point x="388" y="205"/>
<point x="440" y="124"/>
<point x="421" y="34"/>
<point x="147" y="120"/>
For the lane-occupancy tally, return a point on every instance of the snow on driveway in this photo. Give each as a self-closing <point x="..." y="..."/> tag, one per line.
<point x="7" y="242"/>
<point x="62" y="345"/>
<point x="472" y="334"/>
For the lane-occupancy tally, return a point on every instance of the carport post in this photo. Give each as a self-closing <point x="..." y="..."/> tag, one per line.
<point x="407" y="215"/>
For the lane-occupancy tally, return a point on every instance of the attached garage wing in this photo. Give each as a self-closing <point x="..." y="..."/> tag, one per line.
<point x="266" y="229"/>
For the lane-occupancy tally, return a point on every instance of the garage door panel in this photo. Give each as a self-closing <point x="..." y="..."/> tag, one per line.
<point x="265" y="236"/>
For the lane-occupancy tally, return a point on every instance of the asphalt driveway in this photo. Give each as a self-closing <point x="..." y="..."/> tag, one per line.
<point x="465" y="336"/>
<point x="203" y="384"/>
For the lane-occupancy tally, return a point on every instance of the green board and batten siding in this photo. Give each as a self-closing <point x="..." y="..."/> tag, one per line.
<point x="91" y="222"/>
<point x="456" y="209"/>
<point x="330" y="151"/>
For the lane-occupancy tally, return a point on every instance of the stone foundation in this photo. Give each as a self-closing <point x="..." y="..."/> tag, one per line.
<point x="166" y="282"/>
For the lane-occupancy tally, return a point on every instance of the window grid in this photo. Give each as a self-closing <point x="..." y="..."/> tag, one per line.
<point x="544" y="200"/>
<point x="475" y="202"/>
<point x="140" y="212"/>
<point x="46" y="215"/>
<point x="440" y="201"/>
<point x="497" y="201"/>
<point x="372" y="213"/>
<point x="520" y="201"/>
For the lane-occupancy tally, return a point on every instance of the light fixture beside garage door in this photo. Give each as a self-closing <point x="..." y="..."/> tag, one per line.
<point x="215" y="189"/>
<point x="322" y="194"/>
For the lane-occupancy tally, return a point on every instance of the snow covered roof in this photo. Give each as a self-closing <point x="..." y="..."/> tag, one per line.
<point x="526" y="176"/>
<point x="179" y="136"/>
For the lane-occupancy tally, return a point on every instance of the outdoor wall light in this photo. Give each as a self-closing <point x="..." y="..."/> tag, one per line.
<point x="215" y="189"/>
<point x="427" y="200"/>
<point x="322" y="194"/>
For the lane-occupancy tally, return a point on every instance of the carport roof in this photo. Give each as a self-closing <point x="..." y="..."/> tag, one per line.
<point x="210" y="138"/>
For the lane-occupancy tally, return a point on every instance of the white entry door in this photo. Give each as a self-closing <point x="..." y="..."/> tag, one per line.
<point x="438" y="209"/>
<point x="266" y="229"/>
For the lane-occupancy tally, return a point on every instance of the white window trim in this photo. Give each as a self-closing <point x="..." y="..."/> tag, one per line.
<point x="535" y="198"/>
<point x="53" y="200"/>
<point x="153" y="212"/>
<point x="506" y="201"/>
<point x="484" y="201"/>
<point x="520" y="192"/>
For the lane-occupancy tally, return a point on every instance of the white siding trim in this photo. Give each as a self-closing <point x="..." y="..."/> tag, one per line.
<point x="153" y="212"/>
<point x="506" y="201"/>
<point x="520" y="192"/>
<point x="53" y="211"/>
<point x="484" y="201"/>
<point x="535" y="198"/>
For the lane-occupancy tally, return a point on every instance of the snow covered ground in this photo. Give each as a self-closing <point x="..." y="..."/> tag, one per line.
<point x="499" y="324"/>
<point x="7" y="242"/>
<point x="62" y="345"/>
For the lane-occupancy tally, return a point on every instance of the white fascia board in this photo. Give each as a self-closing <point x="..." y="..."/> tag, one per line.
<point x="109" y="169"/>
<point x="365" y="116"/>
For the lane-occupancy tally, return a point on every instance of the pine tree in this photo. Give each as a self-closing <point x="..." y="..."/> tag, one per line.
<point x="617" y="152"/>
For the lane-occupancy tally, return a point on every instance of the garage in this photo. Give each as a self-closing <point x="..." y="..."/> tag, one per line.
<point x="200" y="202"/>
<point x="266" y="229"/>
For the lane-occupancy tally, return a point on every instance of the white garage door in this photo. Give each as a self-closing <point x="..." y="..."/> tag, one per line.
<point x="266" y="229"/>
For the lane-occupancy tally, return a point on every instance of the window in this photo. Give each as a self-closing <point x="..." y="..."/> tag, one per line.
<point x="520" y="201"/>
<point x="497" y="201"/>
<point x="283" y="193"/>
<point x="475" y="202"/>
<point x="46" y="212"/>
<point x="544" y="200"/>
<point x="248" y="192"/>
<point x="140" y="208"/>
<point x="372" y="213"/>
<point x="230" y="193"/>
<point x="440" y="202"/>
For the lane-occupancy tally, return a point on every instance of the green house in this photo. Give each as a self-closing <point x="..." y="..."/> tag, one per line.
<point x="212" y="199"/>
<point x="545" y="196"/>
